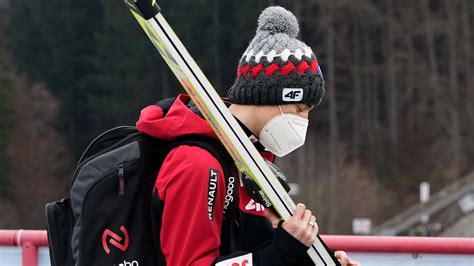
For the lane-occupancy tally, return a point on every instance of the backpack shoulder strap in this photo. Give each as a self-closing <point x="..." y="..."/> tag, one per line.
<point x="218" y="151"/>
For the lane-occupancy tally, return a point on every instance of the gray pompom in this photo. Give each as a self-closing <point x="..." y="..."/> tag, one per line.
<point x="276" y="19"/>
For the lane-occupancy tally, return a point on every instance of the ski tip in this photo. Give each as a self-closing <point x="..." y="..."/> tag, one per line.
<point x="148" y="8"/>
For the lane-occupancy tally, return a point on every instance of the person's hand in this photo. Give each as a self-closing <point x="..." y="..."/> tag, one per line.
<point x="342" y="257"/>
<point x="302" y="225"/>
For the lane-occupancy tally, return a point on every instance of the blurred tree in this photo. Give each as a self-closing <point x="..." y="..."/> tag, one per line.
<point x="399" y="85"/>
<point x="334" y="154"/>
<point x="40" y="161"/>
<point x="391" y="91"/>
<point x="399" y="71"/>
<point x="5" y="108"/>
<point x="103" y="78"/>
<point x="54" y="44"/>
<point x="5" y="122"/>
<point x="126" y="72"/>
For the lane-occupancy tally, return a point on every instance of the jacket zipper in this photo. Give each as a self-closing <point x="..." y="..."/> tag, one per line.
<point x="59" y="207"/>
<point x="124" y="141"/>
<point x="121" y="180"/>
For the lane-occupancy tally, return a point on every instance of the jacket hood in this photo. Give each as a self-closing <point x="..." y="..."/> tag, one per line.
<point x="169" y="119"/>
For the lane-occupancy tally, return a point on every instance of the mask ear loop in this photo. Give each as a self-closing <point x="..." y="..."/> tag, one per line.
<point x="281" y="112"/>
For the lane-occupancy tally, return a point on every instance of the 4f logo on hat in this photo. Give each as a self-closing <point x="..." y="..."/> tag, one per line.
<point x="292" y="94"/>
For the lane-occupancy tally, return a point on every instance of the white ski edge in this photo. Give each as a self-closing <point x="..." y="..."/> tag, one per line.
<point x="221" y="120"/>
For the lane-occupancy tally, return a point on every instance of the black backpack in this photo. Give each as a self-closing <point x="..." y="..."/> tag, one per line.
<point x="106" y="220"/>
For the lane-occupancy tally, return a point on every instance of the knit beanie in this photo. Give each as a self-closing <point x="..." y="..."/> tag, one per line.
<point x="277" y="68"/>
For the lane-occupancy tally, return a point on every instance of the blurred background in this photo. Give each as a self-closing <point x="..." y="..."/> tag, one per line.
<point x="398" y="110"/>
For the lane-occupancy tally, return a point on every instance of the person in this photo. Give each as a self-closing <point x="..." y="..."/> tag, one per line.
<point x="278" y="83"/>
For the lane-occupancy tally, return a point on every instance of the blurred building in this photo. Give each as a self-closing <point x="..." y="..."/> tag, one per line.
<point x="449" y="213"/>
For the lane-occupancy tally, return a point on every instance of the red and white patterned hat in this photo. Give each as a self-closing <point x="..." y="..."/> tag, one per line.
<point x="277" y="68"/>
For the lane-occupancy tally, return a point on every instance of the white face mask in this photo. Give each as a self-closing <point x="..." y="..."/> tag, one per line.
<point x="284" y="133"/>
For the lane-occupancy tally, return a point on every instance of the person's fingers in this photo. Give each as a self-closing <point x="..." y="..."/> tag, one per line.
<point x="342" y="257"/>
<point x="353" y="263"/>
<point x="312" y="220"/>
<point x="345" y="260"/>
<point x="306" y="217"/>
<point x="299" y="211"/>
<point x="339" y="254"/>
<point x="315" y="231"/>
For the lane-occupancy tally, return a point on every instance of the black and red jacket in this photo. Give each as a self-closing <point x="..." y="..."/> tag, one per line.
<point x="190" y="231"/>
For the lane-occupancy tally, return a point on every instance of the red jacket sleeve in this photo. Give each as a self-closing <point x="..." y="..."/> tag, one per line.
<point x="192" y="185"/>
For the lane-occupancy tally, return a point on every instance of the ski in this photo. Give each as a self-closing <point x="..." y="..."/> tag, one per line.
<point x="246" y="157"/>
